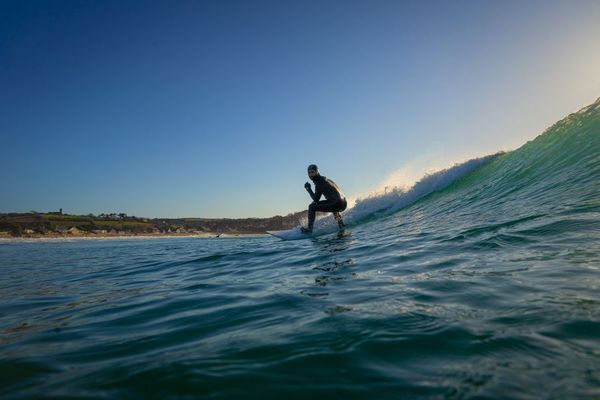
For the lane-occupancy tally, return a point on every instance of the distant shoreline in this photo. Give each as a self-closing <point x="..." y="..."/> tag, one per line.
<point x="58" y="225"/>
<point x="41" y="238"/>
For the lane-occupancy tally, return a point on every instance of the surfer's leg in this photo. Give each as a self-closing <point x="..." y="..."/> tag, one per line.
<point x="323" y="206"/>
<point x="338" y="218"/>
<point x="327" y="206"/>
<point x="334" y="207"/>
<point x="312" y="213"/>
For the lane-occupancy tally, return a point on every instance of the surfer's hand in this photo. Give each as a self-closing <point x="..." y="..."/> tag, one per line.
<point x="307" y="186"/>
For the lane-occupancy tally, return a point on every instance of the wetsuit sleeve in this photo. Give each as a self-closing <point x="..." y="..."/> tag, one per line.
<point x="318" y="193"/>
<point x="313" y="195"/>
<point x="310" y="193"/>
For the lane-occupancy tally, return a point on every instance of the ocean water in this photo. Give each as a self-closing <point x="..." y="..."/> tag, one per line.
<point x="482" y="281"/>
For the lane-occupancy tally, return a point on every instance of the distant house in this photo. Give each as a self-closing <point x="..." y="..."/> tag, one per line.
<point x="28" y="231"/>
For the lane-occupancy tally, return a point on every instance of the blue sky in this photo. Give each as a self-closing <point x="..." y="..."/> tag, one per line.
<point x="214" y="109"/>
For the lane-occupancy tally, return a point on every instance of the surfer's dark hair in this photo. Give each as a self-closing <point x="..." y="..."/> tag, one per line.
<point x="312" y="167"/>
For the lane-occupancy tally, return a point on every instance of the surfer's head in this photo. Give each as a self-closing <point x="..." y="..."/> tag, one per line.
<point x="313" y="171"/>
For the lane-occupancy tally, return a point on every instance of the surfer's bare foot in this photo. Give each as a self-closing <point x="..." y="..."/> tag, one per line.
<point x="305" y="230"/>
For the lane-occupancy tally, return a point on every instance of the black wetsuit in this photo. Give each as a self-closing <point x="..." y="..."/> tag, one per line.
<point x="334" y="199"/>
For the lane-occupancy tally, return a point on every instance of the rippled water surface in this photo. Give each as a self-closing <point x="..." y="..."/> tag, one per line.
<point x="414" y="314"/>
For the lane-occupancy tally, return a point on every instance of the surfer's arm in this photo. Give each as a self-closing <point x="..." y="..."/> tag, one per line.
<point x="310" y="193"/>
<point x="314" y="196"/>
<point x="317" y="195"/>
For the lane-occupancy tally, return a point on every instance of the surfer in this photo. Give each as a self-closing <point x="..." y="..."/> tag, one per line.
<point x="334" y="202"/>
